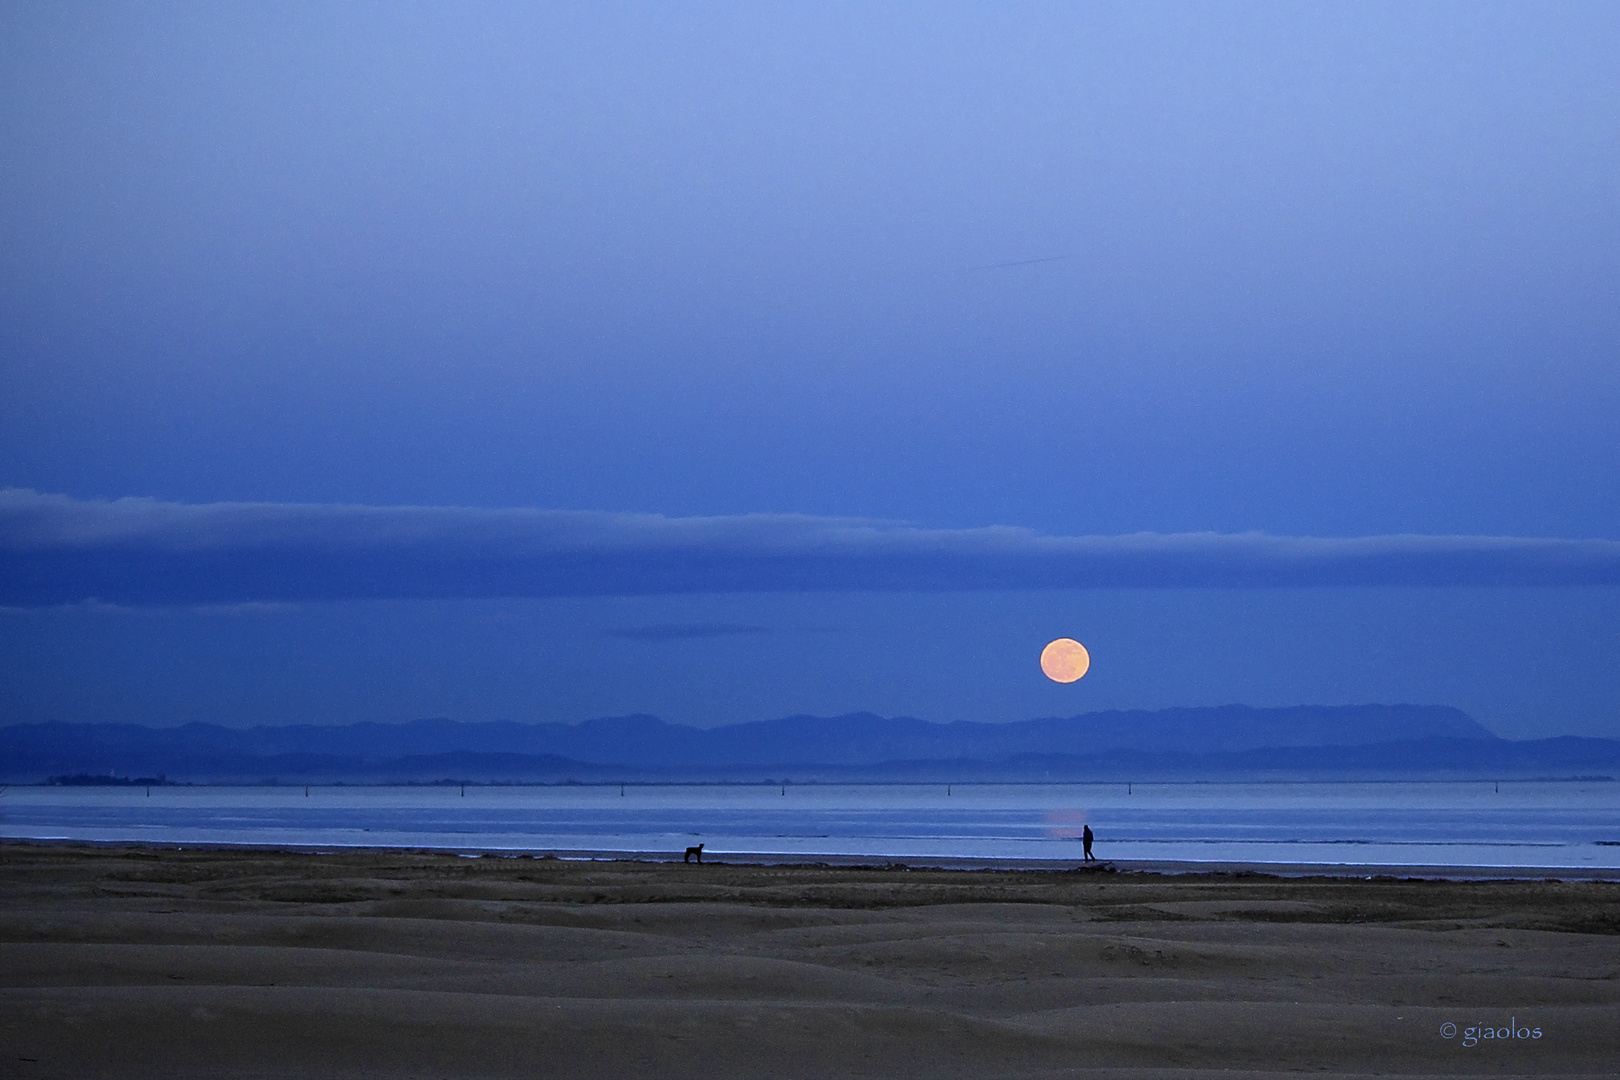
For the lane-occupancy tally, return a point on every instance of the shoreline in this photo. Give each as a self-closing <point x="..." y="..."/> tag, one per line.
<point x="1349" y="871"/>
<point x="203" y="963"/>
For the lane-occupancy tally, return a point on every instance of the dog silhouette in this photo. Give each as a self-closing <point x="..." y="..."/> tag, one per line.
<point x="691" y="851"/>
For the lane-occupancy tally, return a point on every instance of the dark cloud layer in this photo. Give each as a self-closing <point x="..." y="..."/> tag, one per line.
<point x="55" y="549"/>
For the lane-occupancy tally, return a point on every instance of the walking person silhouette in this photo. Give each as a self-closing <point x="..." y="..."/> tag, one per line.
<point x="1086" y="838"/>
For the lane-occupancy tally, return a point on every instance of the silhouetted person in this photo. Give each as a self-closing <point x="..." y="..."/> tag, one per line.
<point x="1086" y="838"/>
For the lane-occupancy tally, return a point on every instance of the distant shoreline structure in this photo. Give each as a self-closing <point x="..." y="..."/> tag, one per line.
<point x="448" y="782"/>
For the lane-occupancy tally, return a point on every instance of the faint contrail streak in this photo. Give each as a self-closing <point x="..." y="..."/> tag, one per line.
<point x="1022" y="262"/>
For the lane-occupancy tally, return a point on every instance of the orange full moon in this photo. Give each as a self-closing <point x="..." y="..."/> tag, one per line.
<point x="1065" y="660"/>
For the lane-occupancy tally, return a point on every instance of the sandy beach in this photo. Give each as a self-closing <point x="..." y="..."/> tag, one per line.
<point x="122" y="961"/>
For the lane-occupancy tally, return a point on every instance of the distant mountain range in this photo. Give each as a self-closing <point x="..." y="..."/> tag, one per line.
<point x="1225" y="742"/>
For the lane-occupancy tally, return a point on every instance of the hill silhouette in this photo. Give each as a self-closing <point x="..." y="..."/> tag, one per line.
<point x="1222" y="741"/>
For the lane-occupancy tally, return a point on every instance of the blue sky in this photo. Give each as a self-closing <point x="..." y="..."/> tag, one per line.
<point x="1084" y="269"/>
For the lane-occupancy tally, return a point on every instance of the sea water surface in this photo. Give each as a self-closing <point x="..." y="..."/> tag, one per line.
<point x="1514" y="824"/>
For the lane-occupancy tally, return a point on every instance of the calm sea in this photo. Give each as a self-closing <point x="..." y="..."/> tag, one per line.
<point x="1564" y="824"/>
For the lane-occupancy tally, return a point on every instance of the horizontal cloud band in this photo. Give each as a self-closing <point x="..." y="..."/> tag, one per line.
<point x="55" y="549"/>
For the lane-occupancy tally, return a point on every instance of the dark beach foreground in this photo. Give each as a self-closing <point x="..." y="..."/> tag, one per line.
<point x="257" y="963"/>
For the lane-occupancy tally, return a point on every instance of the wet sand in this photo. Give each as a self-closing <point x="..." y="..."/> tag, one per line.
<point x="257" y="963"/>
